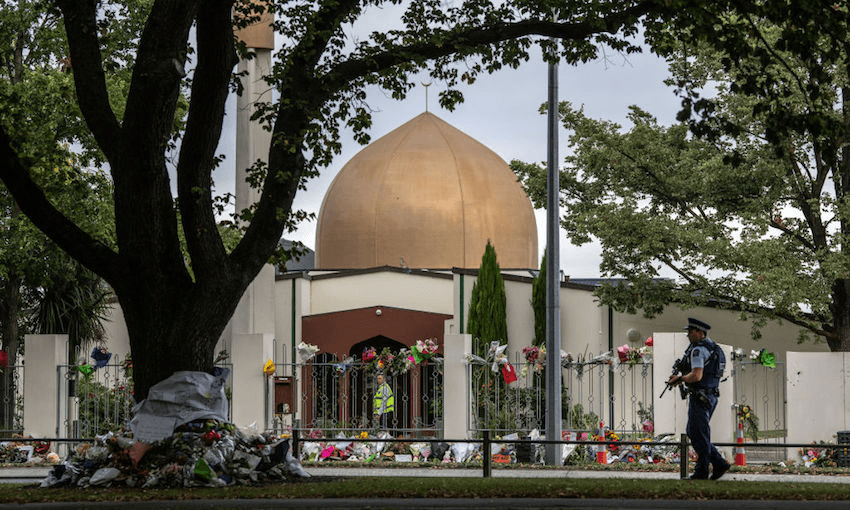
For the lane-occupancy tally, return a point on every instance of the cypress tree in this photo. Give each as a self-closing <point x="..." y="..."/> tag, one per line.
<point x="488" y="320"/>
<point x="538" y="304"/>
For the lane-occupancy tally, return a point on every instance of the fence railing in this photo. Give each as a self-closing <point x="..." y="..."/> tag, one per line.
<point x="101" y="398"/>
<point x="592" y="392"/>
<point x="12" y="400"/>
<point x="339" y="397"/>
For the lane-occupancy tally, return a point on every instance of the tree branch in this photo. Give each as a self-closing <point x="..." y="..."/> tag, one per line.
<point x="349" y="70"/>
<point x="89" y="78"/>
<point x="158" y="71"/>
<point x="91" y="252"/>
<point x="216" y="57"/>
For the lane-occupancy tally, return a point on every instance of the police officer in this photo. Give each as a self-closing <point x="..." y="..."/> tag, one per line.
<point x="704" y="363"/>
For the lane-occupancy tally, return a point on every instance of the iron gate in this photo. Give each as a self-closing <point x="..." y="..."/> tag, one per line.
<point x="762" y="389"/>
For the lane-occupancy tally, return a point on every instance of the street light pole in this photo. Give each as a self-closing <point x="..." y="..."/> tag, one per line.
<point x="553" y="280"/>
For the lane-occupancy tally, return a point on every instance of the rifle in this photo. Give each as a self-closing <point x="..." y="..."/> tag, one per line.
<point x="677" y="368"/>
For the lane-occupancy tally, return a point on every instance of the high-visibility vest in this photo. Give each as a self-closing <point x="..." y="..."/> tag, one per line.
<point x="384" y="396"/>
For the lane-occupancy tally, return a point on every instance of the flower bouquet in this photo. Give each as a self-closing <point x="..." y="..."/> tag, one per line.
<point x="368" y="354"/>
<point x="630" y="356"/>
<point x="423" y="350"/>
<point x="750" y="421"/>
<point x="306" y="351"/>
<point x="535" y="356"/>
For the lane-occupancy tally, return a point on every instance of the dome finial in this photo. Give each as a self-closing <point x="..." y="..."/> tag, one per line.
<point x="426" y="85"/>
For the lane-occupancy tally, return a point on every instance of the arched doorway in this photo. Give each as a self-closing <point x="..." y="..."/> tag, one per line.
<point x="362" y="401"/>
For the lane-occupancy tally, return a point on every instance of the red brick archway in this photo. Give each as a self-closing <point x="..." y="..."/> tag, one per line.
<point x="336" y="332"/>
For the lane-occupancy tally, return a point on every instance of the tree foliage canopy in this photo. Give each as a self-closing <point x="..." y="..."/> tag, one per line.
<point x="745" y="199"/>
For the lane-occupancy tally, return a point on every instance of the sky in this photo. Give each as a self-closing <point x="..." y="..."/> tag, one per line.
<point x="501" y="112"/>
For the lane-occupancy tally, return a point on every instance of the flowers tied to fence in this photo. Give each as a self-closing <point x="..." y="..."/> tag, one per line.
<point x="423" y="350"/>
<point x="306" y="351"/>
<point x="401" y="362"/>
<point x="750" y="421"/>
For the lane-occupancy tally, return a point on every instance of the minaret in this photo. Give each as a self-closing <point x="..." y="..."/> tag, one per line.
<point x="255" y="313"/>
<point x="250" y="335"/>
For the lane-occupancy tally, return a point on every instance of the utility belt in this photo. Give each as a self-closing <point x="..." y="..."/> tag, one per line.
<point x="702" y="394"/>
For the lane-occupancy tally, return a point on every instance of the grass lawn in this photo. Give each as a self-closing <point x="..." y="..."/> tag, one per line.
<point x="425" y="487"/>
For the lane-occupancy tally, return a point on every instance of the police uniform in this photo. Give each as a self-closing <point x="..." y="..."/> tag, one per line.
<point x="702" y="401"/>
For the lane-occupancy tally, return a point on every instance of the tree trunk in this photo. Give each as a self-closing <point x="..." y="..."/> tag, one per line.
<point x="840" y="340"/>
<point x="172" y="329"/>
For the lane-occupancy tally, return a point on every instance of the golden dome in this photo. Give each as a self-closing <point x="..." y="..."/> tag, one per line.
<point x="430" y="196"/>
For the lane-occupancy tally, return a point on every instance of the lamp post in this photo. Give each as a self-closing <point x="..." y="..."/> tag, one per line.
<point x="553" y="280"/>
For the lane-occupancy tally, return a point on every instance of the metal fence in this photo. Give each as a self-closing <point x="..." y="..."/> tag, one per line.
<point x="337" y="397"/>
<point x="12" y="400"/>
<point x="100" y="399"/>
<point x="592" y="392"/>
<point x="762" y="389"/>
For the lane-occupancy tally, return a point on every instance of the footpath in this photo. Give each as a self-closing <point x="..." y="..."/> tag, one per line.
<point x="36" y="474"/>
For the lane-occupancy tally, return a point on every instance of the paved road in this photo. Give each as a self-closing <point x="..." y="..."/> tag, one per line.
<point x="451" y="504"/>
<point x="36" y="474"/>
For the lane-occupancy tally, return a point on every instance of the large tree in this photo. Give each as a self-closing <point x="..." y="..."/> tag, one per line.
<point x="320" y="75"/>
<point x="745" y="200"/>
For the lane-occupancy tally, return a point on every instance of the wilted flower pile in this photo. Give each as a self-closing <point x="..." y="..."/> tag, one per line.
<point x="350" y="449"/>
<point x="32" y="452"/>
<point x="504" y="449"/>
<point x="203" y="453"/>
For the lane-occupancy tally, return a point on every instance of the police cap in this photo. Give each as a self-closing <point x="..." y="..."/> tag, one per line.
<point x="697" y="324"/>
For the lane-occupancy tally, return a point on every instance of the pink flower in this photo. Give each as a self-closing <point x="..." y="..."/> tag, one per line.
<point x="648" y="342"/>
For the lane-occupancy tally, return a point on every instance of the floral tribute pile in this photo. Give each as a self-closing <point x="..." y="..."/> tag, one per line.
<point x="204" y="453"/>
<point x="316" y="448"/>
<point x="341" y="447"/>
<point x="26" y="452"/>
<point x="814" y="456"/>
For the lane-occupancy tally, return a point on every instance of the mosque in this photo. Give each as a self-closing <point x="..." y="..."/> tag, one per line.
<point x="399" y="239"/>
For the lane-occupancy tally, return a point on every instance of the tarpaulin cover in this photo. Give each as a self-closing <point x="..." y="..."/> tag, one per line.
<point x="183" y="397"/>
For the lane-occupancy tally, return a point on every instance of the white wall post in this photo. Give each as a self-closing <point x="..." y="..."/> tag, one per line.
<point x="45" y="389"/>
<point x="818" y="401"/>
<point x="456" y="398"/>
<point x="671" y="412"/>
<point x="252" y="393"/>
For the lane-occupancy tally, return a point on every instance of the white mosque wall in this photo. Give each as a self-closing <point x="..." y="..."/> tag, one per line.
<point x="292" y="301"/>
<point x="726" y="328"/>
<point x="115" y="333"/>
<point x="399" y="290"/>
<point x="518" y="308"/>
<point x="584" y="324"/>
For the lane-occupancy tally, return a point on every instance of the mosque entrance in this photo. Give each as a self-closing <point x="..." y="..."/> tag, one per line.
<point x="366" y="379"/>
